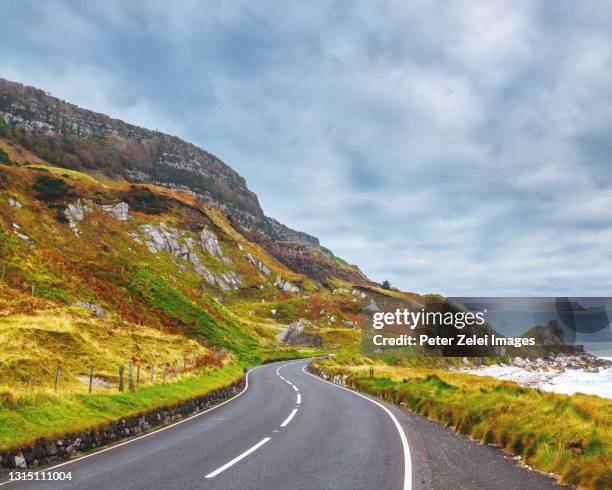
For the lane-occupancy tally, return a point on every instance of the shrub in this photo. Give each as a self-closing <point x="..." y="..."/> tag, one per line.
<point x="386" y="284"/>
<point x="143" y="200"/>
<point x="4" y="158"/>
<point x="50" y="189"/>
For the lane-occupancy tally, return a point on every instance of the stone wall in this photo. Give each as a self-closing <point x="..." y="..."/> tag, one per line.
<point x="45" y="451"/>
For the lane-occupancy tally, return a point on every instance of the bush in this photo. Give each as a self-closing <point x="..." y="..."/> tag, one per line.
<point x="143" y="200"/>
<point x="4" y="158"/>
<point x="386" y="284"/>
<point x="50" y="189"/>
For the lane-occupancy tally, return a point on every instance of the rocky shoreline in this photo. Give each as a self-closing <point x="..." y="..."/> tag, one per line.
<point x="560" y="362"/>
<point x="560" y="373"/>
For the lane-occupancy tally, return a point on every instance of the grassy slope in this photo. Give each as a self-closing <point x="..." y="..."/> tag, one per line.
<point x="47" y="415"/>
<point x="32" y="346"/>
<point x="567" y="435"/>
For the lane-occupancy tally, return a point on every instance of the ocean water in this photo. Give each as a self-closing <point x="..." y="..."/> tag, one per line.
<point x="569" y="382"/>
<point x="577" y="381"/>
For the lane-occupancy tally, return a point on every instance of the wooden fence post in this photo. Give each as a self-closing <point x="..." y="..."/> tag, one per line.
<point x="174" y="369"/>
<point x="130" y="375"/>
<point x="151" y="373"/>
<point x="121" y="378"/>
<point x="138" y="375"/>
<point x="58" y="373"/>
<point x="164" y="372"/>
<point x="90" y="378"/>
<point x="194" y="360"/>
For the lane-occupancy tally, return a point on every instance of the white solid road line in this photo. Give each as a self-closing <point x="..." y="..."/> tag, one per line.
<point x="288" y="419"/>
<point x="238" y="458"/>
<point x="149" y="434"/>
<point x="295" y="388"/>
<point x="299" y="399"/>
<point x="405" y="446"/>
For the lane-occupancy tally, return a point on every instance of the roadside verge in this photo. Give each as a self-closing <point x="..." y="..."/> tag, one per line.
<point x="142" y="410"/>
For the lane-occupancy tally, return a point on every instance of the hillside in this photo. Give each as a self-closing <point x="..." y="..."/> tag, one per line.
<point x="136" y="254"/>
<point x="78" y="139"/>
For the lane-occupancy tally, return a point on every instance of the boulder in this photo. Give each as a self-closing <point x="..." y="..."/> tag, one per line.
<point x="119" y="211"/>
<point x="14" y="203"/>
<point x="371" y="308"/>
<point x="19" y="460"/>
<point x="100" y="313"/>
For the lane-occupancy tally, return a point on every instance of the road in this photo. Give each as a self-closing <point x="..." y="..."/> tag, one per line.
<point x="290" y="429"/>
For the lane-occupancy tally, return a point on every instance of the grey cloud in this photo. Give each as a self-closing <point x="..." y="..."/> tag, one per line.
<point x="451" y="147"/>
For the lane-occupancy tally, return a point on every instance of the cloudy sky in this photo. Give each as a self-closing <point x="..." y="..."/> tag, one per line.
<point x="455" y="147"/>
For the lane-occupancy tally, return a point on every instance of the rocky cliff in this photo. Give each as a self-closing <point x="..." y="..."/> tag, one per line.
<point x="79" y="139"/>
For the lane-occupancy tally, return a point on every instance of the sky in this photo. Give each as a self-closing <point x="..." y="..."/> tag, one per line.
<point x="461" y="148"/>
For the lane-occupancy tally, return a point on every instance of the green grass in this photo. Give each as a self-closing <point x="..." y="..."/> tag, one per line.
<point x="213" y="325"/>
<point x="65" y="172"/>
<point x="45" y="415"/>
<point x="33" y="345"/>
<point x="567" y="435"/>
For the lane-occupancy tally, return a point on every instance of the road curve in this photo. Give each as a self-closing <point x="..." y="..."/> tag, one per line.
<point x="290" y="429"/>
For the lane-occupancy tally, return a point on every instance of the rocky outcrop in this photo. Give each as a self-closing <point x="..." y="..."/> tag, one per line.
<point x="285" y="286"/>
<point x="211" y="245"/>
<point x="99" y="311"/>
<point x="75" y="212"/>
<point x="163" y="238"/>
<point x="45" y="451"/>
<point x="21" y="235"/>
<point x="14" y="203"/>
<point x="257" y="263"/>
<point x="560" y="362"/>
<point x="296" y="335"/>
<point x="119" y="211"/>
<point x="136" y="154"/>
<point x="371" y="308"/>
<point x="303" y="259"/>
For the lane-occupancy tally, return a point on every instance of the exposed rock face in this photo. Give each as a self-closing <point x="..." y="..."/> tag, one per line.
<point x="285" y="285"/>
<point x="371" y="308"/>
<point x="211" y="245"/>
<point x="295" y="335"/>
<point x="260" y="265"/>
<point x="561" y="362"/>
<point x="119" y="211"/>
<point x="14" y="203"/>
<point x="99" y="311"/>
<point x="229" y="280"/>
<point x="162" y="238"/>
<point x="303" y="259"/>
<point x="22" y="236"/>
<point x="76" y="211"/>
<point x="140" y="155"/>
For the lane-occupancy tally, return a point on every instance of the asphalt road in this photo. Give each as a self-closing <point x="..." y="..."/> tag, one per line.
<point x="291" y="430"/>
